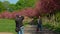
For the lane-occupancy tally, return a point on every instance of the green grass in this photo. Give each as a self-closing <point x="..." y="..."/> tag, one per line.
<point x="7" y="25"/>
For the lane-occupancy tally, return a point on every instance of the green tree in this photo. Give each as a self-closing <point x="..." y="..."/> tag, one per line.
<point x="2" y="8"/>
<point x="25" y="3"/>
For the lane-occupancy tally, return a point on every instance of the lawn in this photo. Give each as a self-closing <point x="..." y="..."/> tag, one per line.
<point x="7" y="25"/>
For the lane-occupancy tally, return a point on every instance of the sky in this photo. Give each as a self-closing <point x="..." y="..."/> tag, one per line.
<point x="11" y="1"/>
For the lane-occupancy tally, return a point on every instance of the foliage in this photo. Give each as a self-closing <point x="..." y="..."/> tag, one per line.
<point x="25" y="3"/>
<point x="42" y="7"/>
<point x="53" y="27"/>
<point x="2" y="8"/>
<point x="54" y="24"/>
<point x="21" y="4"/>
<point x="48" y="6"/>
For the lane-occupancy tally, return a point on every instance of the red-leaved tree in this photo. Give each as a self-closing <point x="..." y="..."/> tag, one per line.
<point x="48" y="6"/>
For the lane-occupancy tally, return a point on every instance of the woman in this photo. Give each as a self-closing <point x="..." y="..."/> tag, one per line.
<point x="19" y="24"/>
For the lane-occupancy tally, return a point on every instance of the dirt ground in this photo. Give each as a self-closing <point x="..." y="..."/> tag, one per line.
<point x="5" y="33"/>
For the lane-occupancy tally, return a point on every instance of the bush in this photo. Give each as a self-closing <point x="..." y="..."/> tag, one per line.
<point x="48" y="26"/>
<point x="53" y="27"/>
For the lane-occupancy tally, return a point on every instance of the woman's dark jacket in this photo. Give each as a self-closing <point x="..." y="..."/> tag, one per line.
<point x="19" y="23"/>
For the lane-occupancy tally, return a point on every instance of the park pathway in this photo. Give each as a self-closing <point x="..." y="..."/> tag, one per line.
<point x="31" y="29"/>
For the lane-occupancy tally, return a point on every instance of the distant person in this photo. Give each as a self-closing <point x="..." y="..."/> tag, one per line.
<point x="19" y="24"/>
<point x="39" y="24"/>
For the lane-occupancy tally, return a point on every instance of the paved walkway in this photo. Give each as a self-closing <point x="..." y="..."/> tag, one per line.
<point x="31" y="29"/>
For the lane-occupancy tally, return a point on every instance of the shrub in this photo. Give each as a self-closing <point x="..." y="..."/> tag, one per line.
<point x="53" y="27"/>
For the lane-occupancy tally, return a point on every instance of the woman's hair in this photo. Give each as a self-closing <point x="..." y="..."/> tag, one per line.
<point x="17" y="15"/>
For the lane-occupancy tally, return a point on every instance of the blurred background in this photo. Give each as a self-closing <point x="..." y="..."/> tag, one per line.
<point x="49" y="10"/>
